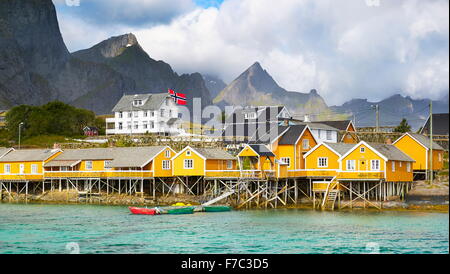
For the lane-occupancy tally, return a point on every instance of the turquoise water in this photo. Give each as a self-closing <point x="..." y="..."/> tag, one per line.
<point x="111" y="229"/>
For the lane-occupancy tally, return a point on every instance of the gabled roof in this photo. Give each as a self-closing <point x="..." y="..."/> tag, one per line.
<point x="391" y="152"/>
<point x="261" y="150"/>
<point x="440" y="124"/>
<point x="421" y="139"/>
<point x="208" y="153"/>
<point x="5" y="150"/>
<point x="341" y="125"/>
<point x="338" y="148"/>
<point x="267" y="134"/>
<point x="316" y="125"/>
<point x="29" y="155"/>
<point x="119" y="156"/>
<point x="293" y="134"/>
<point x="152" y="101"/>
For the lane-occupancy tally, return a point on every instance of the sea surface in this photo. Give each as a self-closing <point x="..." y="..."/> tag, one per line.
<point x="35" y="228"/>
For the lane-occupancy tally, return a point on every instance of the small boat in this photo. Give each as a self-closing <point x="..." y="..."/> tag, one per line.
<point x="143" y="211"/>
<point x="181" y="210"/>
<point x="217" y="208"/>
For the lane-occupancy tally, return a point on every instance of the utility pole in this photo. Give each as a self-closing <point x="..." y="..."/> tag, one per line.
<point x="20" y="129"/>
<point x="431" y="142"/>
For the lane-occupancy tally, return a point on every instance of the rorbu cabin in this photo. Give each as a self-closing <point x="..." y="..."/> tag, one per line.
<point x="322" y="161"/>
<point x="291" y="146"/>
<point x="375" y="162"/>
<point x="204" y="162"/>
<point x="25" y="164"/>
<point x="418" y="147"/>
<point x="112" y="163"/>
<point x="256" y="161"/>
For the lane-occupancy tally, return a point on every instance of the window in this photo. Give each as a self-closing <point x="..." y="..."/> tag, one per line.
<point x="305" y="143"/>
<point x="322" y="162"/>
<point x="120" y="125"/>
<point x="286" y="160"/>
<point x="351" y="164"/>
<point x="440" y="157"/>
<point x="188" y="153"/>
<point x="129" y="114"/>
<point x="145" y="125"/>
<point x="152" y="113"/>
<point x="107" y="164"/>
<point x="120" y="114"/>
<point x="251" y="115"/>
<point x="136" y="114"/>
<point x="145" y="113"/>
<point x="137" y="102"/>
<point x="167" y="153"/>
<point x="88" y="165"/>
<point x="400" y="164"/>
<point x="21" y="168"/>
<point x="375" y="165"/>
<point x="152" y="124"/>
<point x="188" y="164"/>
<point x="329" y="134"/>
<point x="393" y="166"/>
<point x="408" y="167"/>
<point x="34" y="169"/>
<point x="362" y="149"/>
<point x="136" y="125"/>
<point x="229" y="164"/>
<point x="129" y="125"/>
<point x="318" y="133"/>
<point x="162" y="112"/>
<point x="166" y="164"/>
<point x="64" y="168"/>
<point x="7" y="168"/>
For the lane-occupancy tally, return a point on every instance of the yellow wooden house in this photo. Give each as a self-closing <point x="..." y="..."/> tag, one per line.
<point x="26" y="164"/>
<point x="206" y="162"/>
<point x="291" y="146"/>
<point x="375" y="161"/>
<point x="322" y="161"/>
<point x="112" y="163"/>
<point x="417" y="147"/>
<point x="257" y="161"/>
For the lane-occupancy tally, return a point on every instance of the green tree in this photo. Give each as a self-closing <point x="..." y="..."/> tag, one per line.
<point x="403" y="126"/>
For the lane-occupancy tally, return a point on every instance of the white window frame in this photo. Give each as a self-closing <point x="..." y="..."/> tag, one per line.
<point x="393" y="166"/>
<point x="166" y="164"/>
<point x="106" y="163"/>
<point x="120" y="126"/>
<point x="34" y="169"/>
<point x="372" y="165"/>
<point x="21" y="168"/>
<point x="120" y="114"/>
<point x="322" y="160"/>
<point x="229" y="164"/>
<point x="329" y="134"/>
<point x="167" y="153"/>
<point x="362" y="149"/>
<point x="188" y="164"/>
<point x="350" y="164"/>
<point x="305" y="143"/>
<point x="7" y="168"/>
<point x="250" y="116"/>
<point x="89" y="166"/>
<point x="286" y="160"/>
<point x="408" y="167"/>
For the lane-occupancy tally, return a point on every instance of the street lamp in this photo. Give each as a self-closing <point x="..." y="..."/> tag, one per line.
<point x="20" y="128"/>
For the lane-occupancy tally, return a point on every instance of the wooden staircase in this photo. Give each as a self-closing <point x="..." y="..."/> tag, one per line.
<point x="331" y="194"/>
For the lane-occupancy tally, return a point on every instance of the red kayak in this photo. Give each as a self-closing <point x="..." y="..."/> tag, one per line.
<point x="143" y="211"/>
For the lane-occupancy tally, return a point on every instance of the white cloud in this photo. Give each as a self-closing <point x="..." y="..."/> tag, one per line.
<point x="344" y="49"/>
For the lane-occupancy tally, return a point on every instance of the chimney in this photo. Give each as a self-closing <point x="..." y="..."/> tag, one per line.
<point x="306" y="118"/>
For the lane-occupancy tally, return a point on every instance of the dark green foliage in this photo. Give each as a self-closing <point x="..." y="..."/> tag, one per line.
<point x="403" y="127"/>
<point x="54" y="118"/>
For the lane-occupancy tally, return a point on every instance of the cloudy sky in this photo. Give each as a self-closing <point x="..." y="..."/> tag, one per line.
<point x="343" y="48"/>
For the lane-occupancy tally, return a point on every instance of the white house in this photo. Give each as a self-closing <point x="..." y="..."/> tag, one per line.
<point x="323" y="132"/>
<point x="145" y="113"/>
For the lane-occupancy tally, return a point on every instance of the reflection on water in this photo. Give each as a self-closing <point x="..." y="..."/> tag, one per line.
<point x="109" y="229"/>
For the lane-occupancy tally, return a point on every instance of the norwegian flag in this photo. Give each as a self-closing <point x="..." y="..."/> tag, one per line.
<point x="179" y="98"/>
